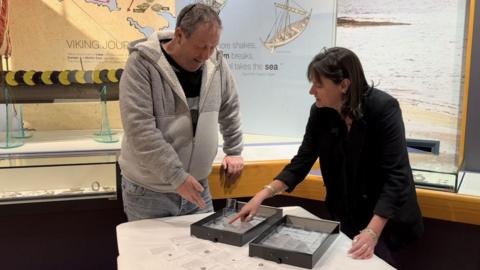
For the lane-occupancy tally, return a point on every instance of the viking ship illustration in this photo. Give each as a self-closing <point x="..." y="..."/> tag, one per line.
<point x="217" y="5"/>
<point x="285" y="30"/>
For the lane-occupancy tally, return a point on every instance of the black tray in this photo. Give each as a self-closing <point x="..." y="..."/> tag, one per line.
<point x="282" y="248"/>
<point x="202" y="229"/>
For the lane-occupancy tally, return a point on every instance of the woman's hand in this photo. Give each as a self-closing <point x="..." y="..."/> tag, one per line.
<point x="249" y="210"/>
<point x="363" y="245"/>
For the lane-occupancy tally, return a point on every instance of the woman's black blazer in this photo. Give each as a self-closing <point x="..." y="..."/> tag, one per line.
<point x="366" y="170"/>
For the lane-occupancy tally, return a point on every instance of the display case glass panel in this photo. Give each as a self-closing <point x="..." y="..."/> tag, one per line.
<point x="415" y="51"/>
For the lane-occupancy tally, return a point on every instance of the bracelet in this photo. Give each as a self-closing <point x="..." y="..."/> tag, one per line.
<point x="372" y="234"/>
<point x="272" y="190"/>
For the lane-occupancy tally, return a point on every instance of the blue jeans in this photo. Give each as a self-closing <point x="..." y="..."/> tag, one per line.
<point x="142" y="203"/>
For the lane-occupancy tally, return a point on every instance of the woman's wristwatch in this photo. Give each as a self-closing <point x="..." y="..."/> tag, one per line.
<point x="272" y="190"/>
<point x="372" y="234"/>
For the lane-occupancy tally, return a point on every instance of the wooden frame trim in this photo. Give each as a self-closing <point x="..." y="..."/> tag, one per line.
<point x="434" y="204"/>
<point x="466" y="86"/>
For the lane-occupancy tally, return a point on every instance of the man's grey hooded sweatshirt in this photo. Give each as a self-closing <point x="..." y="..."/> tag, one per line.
<point x="158" y="147"/>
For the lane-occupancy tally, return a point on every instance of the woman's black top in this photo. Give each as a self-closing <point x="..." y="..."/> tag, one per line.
<point x="366" y="170"/>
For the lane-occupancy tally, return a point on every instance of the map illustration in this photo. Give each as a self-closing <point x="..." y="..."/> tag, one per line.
<point x="82" y="34"/>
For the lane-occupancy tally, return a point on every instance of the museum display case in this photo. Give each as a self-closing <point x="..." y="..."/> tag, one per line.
<point x="70" y="151"/>
<point x="53" y="91"/>
<point x="427" y="79"/>
<point x="58" y="165"/>
<point x="443" y="181"/>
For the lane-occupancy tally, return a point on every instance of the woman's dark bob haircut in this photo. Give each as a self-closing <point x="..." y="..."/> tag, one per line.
<point x="338" y="64"/>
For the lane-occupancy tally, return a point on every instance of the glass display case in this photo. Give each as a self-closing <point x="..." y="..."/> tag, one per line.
<point x="444" y="181"/>
<point x="69" y="67"/>
<point x="58" y="165"/>
<point x="427" y="79"/>
<point x="71" y="149"/>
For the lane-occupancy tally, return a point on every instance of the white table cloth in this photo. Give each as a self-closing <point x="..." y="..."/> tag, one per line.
<point x="166" y="243"/>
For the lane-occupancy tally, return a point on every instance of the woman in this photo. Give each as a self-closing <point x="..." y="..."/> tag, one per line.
<point x="357" y="133"/>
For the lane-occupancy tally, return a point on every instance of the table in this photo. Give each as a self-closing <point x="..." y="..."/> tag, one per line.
<point x="165" y="243"/>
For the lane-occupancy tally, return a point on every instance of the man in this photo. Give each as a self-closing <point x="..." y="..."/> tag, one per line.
<point x="175" y="90"/>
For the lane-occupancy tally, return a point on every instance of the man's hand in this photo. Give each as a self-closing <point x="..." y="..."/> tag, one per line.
<point x="233" y="165"/>
<point x="190" y="190"/>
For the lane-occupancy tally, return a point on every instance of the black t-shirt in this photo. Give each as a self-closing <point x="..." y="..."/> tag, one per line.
<point x="191" y="83"/>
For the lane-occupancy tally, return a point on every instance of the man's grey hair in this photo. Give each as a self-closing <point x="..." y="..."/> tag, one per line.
<point x="193" y="15"/>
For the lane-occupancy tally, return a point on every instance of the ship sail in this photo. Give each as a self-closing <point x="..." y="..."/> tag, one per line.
<point x="284" y="30"/>
<point x="291" y="9"/>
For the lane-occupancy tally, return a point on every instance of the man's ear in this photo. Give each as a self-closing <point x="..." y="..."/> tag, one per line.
<point x="178" y="34"/>
<point x="345" y="84"/>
